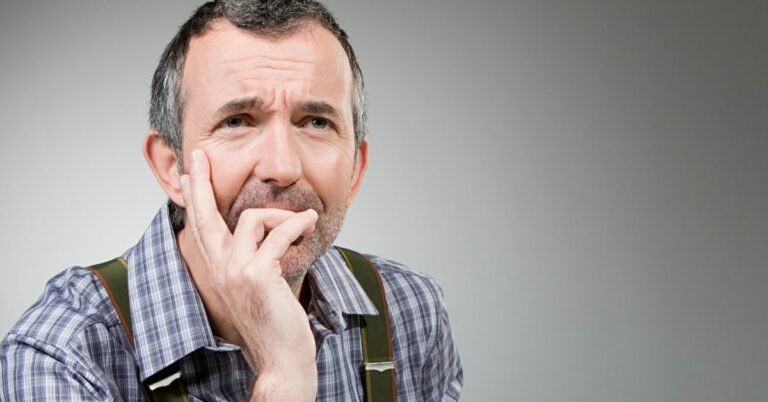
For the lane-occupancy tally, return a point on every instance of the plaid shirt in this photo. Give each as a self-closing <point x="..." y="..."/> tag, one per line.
<point x="70" y="346"/>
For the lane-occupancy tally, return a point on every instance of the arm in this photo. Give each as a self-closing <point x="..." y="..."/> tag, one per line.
<point x="442" y="375"/>
<point x="245" y="273"/>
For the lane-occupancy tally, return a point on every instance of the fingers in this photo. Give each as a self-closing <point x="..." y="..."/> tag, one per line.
<point x="190" y="214"/>
<point x="221" y="248"/>
<point x="251" y="226"/>
<point x="202" y="214"/>
<point x="281" y="237"/>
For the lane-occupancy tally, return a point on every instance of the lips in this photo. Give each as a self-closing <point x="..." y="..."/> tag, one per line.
<point x="286" y="207"/>
<point x="268" y="195"/>
<point x="298" y="241"/>
<point x="295" y="243"/>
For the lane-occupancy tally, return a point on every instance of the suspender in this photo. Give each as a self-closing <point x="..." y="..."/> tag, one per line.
<point x="113" y="275"/>
<point x="375" y="334"/>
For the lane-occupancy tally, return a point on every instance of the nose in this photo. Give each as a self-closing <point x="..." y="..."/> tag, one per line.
<point x="279" y="159"/>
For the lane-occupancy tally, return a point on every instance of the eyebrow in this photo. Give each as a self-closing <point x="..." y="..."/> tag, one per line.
<point x="240" y="105"/>
<point x="320" y="107"/>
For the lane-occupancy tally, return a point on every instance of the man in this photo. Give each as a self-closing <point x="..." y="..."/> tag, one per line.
<point x="258" y="139"/>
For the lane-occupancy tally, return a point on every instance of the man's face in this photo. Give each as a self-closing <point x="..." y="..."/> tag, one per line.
<point x="274" y="117"/>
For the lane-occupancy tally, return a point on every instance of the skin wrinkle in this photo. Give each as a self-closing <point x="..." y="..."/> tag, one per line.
<point x="267" y="61"/>
<point x="290" y="91"/>
<point x="266" y="74"/>
<point x="271" y="106"/>
<point x="269" y="102"/>
<point x="243" y="105"/>
<point x="241" y="71"/>
<point x="167" y="108"/>
<point x="244" y="171"/>
<point x="244" y="72"/>
<point x="290" y="69"/>
<point x="293" y="69"/>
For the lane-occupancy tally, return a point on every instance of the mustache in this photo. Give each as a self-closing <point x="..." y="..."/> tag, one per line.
<point x="269" y="195"/>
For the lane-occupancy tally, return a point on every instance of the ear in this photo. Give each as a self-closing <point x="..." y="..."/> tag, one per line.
<point x="361" y="165"/>
<point x="162" y="160"/>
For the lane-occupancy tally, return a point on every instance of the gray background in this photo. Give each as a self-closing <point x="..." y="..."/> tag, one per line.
<point x="586" y="179"/>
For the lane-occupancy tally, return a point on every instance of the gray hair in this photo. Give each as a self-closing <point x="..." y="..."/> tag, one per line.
<point x="268" y="18"/>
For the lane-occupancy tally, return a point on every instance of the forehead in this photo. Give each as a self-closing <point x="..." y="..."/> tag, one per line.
<point x="227" y="62"/>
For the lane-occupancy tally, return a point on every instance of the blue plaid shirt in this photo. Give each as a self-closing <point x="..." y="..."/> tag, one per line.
<point x="70" y="346"/>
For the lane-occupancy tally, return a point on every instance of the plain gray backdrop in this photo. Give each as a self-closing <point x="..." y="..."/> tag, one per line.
<point x="586" y="179"/>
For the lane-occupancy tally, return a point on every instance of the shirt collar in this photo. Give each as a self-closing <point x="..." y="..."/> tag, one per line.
<point x="169" y="320"/>
<point x="336" y="292"/>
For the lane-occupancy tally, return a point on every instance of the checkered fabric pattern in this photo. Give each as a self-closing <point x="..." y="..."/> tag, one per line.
<point x="70" y="346"/>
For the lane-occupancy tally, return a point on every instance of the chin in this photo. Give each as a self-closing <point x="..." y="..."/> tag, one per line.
<point x="298" y="258"/>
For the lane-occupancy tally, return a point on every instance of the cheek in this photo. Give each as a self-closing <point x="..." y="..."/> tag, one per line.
<point x="229" y="172"/>
<point x="330" y="174"/>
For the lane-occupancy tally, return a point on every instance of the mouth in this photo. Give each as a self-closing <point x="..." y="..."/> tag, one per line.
<point x="294" y="243"/>
<point x="298" y="241"/>
<point x="286" y="207"/>
<point x="258" y="195"/>
<point x="291" y="208"/>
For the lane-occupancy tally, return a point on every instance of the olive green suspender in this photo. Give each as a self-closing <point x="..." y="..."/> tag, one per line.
<point x="375" y="334"/>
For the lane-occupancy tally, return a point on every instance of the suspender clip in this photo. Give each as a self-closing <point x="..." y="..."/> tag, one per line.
<point x="380" y="366"/>
<point x="164" y="382"/>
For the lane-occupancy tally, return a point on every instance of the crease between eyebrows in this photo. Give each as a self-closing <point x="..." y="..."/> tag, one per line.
<point x="251" y="102"/>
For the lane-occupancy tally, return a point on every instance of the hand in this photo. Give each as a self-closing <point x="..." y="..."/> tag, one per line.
<point x="245" y="274"/>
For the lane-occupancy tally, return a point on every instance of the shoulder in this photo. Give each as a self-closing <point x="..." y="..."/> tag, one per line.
<point x="429" y="366"/>
<point x="72" y="301"/>
<point x="406" y="284"/>
<point x="415" y="300"/>
<point x="71" y="321"/>
<point x="67" y="337"/>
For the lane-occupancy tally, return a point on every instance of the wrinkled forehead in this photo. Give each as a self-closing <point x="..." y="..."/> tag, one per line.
<point x="226" y="61"/>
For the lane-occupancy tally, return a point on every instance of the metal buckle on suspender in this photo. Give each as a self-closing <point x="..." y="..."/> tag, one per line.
<point x="164" y="382"/>
<point x="380" y="366"/>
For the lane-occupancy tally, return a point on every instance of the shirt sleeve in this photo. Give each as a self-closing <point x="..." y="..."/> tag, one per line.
<point x="442" y="375"/>
<point x="31" y="369"/>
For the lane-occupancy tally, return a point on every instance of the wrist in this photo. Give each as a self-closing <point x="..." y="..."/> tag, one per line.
<point x="284" y="385"/>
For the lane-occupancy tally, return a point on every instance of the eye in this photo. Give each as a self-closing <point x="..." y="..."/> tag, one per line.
<point x="236" y="121"/>
<point x="319" y="123"/>
<point x="233" y="122"/>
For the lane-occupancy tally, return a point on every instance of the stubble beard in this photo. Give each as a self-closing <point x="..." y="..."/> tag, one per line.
<point x="300" y="255"/>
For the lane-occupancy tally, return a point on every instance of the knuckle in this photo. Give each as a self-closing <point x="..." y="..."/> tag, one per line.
<point x="249" y="215"/>
<point x="200" y="220"/>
